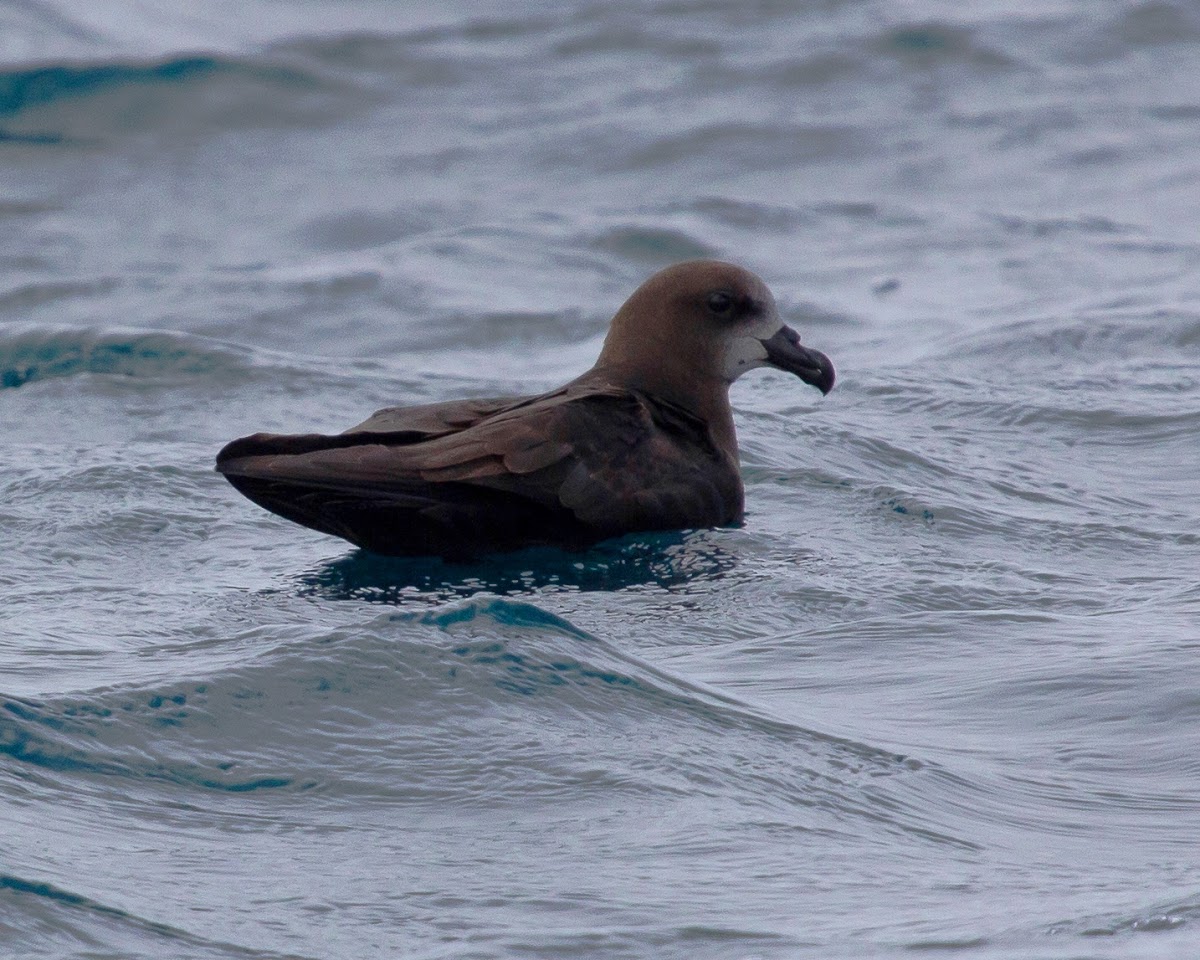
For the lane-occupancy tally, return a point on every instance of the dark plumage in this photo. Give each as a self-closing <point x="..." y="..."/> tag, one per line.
<point x="642" y="441"/>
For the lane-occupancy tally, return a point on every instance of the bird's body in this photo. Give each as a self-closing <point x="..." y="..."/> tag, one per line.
<point x="642" y="441"/>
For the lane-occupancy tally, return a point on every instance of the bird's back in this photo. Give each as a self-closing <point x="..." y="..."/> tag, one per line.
<point x="567" y="468"/>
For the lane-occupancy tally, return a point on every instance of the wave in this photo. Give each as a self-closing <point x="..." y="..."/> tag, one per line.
<point x="34" y="354"/>
<point x="748" y="145"/>
<point x="24" y="89"/>
<point x="53" y="739"/>
<point x="487" y="702"/>
<point x="314" y="74"/>
<point x="1076" y="410"/>
<point x="38" y="914"/>
<point x="1094" y="336"/>
<point x="655" y="244"/>
<point x="1157" y="919"/>
<point x="80" y="104"/>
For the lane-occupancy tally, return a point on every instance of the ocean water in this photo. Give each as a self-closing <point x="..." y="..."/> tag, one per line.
<point x="940" y="695"/>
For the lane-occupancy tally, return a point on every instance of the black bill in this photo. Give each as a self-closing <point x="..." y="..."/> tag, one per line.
<point x="785" y="351"/>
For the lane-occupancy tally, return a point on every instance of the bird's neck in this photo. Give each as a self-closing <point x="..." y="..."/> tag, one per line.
<point x="707" y="399"/>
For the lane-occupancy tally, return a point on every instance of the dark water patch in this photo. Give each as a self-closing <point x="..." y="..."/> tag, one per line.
<point x="657" y="246"/>
<point x="42" y="919"/>
<point x="361" y="229"/>
<point x="867" y="211"/>
<point x="1158" y="27"/>
<point x="513" y="327"/>
<point x="934" y="43"/>
<point x="66" y="739"/>
<point x="21" y="90"/>
<point x="1022" y="129"/>
<point x="745" y="145"/>
<point x="947" y="946"/>
<point x="1054" y="226"/>
<point x="749" y="214"/>
<point x="40" y="354"/>
<point x="1176" y="112"/>
<point x="12" y="208"/>
<point x="668" y="561"/>
<point x="20" y="300"/>
<point x="481" y="31"/>
<point x="34" y="139"/>
<point x="838" y="64"/>
<point x="29" y="355"/>
<point x="502" y="612"/>
<point x="698" y="941"/>
<point x="59" y="896"/>
<point x="799" y="72"/>
<point x="339" y="287"/>
<point x="88" y="104"/>
<point x="378" y="60"/>
<point x="603" y="35"/>
<point x="1157" y="23"/>
<point x="1180" y="915"/>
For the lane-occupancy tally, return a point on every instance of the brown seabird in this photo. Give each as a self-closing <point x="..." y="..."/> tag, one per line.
<point x="642" y="441"/>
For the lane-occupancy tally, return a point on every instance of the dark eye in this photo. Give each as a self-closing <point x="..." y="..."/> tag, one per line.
<point x="720" y="303"/>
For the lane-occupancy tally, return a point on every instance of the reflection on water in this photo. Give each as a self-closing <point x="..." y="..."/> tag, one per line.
<point x="669" y="561"/>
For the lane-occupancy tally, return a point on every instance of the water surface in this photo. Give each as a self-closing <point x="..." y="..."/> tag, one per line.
<point x="939" y="694"/>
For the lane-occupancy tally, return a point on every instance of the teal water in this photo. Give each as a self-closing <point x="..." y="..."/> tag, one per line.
<point x="938" y="695"/>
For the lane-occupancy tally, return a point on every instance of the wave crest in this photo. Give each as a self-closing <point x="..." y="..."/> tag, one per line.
<point x="42" y="354"/>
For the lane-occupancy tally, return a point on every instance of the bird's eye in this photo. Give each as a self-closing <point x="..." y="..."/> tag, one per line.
<point x="720" y="303"/>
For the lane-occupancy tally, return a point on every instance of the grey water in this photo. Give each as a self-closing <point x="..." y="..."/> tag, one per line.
<point x="940" y="695"/>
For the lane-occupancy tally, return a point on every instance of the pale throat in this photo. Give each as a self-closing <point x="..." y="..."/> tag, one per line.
<point x="743" y="353"/>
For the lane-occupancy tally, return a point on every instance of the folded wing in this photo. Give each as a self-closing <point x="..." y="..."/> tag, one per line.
<point x="567" y="468"/>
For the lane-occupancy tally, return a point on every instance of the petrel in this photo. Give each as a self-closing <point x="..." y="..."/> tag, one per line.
<point x="642" y="441"/>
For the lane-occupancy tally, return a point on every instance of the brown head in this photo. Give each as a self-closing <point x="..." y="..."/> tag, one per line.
<point x="692" y="329"/>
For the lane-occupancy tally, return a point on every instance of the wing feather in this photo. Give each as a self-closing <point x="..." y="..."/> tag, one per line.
<point x="434" y="419"/>
<point x="574" y="465"/>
